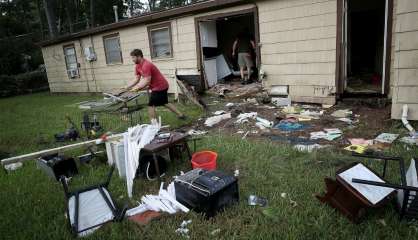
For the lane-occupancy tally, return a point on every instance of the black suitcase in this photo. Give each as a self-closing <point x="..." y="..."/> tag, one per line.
<point x="56" y="166"/>
<point x="205" y="191"/>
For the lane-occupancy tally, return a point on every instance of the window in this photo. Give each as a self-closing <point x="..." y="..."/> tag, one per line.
<point x="112" y="49"/>
<point x="71" y="61"/>
<point x="160" y="41"/>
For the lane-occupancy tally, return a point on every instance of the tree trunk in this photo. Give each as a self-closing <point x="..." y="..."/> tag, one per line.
<point x="68" y="9"/>
<point x="151" y="5"/>
<point x="76" y="9"/>
<point x="91" y="13"/>
<point x="50" y="16"/>
<point x="41" y="22"/>
<point x="131" y="7"/>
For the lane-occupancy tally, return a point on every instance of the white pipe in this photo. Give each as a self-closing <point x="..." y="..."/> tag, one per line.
<point x="405" y="119"/>
<point x="266" y="123"/>
<point x="115" y="9"/>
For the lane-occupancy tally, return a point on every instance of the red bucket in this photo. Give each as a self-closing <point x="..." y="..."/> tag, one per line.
<point x="205" y="160"/>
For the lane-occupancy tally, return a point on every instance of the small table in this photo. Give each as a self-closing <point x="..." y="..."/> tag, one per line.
<point x="351" y="202"/>
<point x="159" y="144"/>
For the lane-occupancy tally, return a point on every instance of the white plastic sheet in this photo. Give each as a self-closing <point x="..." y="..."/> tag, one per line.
<point x="411" y="180"/>
<point x="217" y="119"/>
<point x="93" y="210"/>
<point x="134" y="140"/>
<point x="165" y="201"/>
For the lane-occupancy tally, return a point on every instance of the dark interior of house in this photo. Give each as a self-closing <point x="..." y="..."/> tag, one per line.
<point x="365" y="28"/>
<point x="228" y="30"/>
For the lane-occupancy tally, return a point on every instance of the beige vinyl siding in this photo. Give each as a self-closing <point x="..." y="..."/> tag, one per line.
<point x="298" y="47"/>
<point x="99" y="76"/>
<point x="405" y="64"/>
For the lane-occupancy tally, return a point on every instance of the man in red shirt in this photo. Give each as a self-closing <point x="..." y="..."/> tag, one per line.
<point x="148" y="75"/>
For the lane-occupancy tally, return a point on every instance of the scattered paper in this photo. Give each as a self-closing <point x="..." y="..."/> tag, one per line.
<point x="281" y="102"/>
<point x="374" y="194"/>
<point x="229" y="105"/>
<point x="386" y="137"/>
<point x="360" y="141"/>
<point x="342" y="113"/>
<point x="312" y="113"/>
<point x="291" y="110"/>
<point x="409" y="140"/>
<point x="308" y="148"/>
<point x="356" y="148"/>
<point x="13" y="166"/>
<point x="346" y="120"/>
<point x="183" y="230"/>
<point x="215" y="232"/>
<point x="165" y="201"/>
<point x="217" y="119"/>
<point x="330" y="134"/>
<point x="193" y="132"/>
<point x="219" y="112"/>
<point x="244" y="117"/>
<point x="266" y="123"/>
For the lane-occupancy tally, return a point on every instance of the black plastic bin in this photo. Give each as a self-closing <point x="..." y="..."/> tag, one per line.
<point x="56" y="166"/>
<point x="207" y="192"/>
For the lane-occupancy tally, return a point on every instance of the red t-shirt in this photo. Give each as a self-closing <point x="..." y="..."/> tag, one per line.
<point x="148" y="69"/>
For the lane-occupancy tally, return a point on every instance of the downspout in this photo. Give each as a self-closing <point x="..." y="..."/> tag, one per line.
<point x="405" y="122"/>
<point x="85" y="67"/>
<point x="92" y="65"/>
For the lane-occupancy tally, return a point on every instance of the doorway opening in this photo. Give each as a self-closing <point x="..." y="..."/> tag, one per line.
<point x="365" y="31"/>
<point x="217" y="35"/>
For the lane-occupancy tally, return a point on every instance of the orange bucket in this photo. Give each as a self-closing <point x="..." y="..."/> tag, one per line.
<point x="205" y="160"/>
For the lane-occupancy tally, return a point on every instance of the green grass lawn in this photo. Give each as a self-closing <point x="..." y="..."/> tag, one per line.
<point x="32" y="206"/>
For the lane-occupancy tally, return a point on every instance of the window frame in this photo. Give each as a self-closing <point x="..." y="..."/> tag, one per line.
<point x="64" y="47"/>
<point x="111" y="36"/>
<point x="166" y="25"/>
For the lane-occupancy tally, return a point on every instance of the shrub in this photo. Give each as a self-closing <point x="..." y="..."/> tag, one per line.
<point x="22" y="83"/>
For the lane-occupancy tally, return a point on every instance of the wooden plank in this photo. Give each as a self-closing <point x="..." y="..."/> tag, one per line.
<point x="35" y="155"/>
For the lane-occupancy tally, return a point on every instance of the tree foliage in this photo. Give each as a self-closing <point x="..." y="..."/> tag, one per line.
<point x="23" y="23"/>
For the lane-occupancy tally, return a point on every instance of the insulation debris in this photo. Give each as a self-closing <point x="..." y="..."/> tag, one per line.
<point x="210" y="122"/>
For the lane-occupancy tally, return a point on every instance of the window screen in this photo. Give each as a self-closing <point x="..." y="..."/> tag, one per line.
<point x="70" y="58"/>
<point x="160" y="42"/>
<point x="112" y="49"/>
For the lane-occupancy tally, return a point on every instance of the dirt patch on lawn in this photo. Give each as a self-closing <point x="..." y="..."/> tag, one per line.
<point x="368" y="122"/>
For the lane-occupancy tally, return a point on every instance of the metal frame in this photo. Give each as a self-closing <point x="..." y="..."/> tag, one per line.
<point x="404" y="211"/>
<point x="72" y="45"/>
<point x="217" y="16"/>
<point x="340" y="50"/>
<point x="118" y="214"/>
<point x="156" y="27"/>
<point x="112" y="36"/>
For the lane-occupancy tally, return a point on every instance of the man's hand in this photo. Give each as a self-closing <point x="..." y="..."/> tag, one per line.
<point x="135" y="89"/>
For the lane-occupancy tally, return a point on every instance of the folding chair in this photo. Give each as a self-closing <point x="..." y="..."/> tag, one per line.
<point x="91" y="207"/>
<point x="407" y="204"/>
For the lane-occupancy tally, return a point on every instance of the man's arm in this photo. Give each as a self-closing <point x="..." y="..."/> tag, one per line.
<point x="234" y="47"/>
<point x="253" y="44"/>
<point x="134" y="82"/>
<point x="145" y="81"/>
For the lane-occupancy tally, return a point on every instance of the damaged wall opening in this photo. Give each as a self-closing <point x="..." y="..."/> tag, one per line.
<point x="217" y="37"/>
<point x="364" y="37"/>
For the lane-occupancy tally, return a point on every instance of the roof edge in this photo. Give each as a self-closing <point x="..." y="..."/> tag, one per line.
<point x="147" y="18"/>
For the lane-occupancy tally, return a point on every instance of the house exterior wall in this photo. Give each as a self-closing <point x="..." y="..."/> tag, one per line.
<point x="298" y="47"/>
<point x="297" y="44"/>
<point x="98" y="76"/>
<point x="405" y="62"/>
